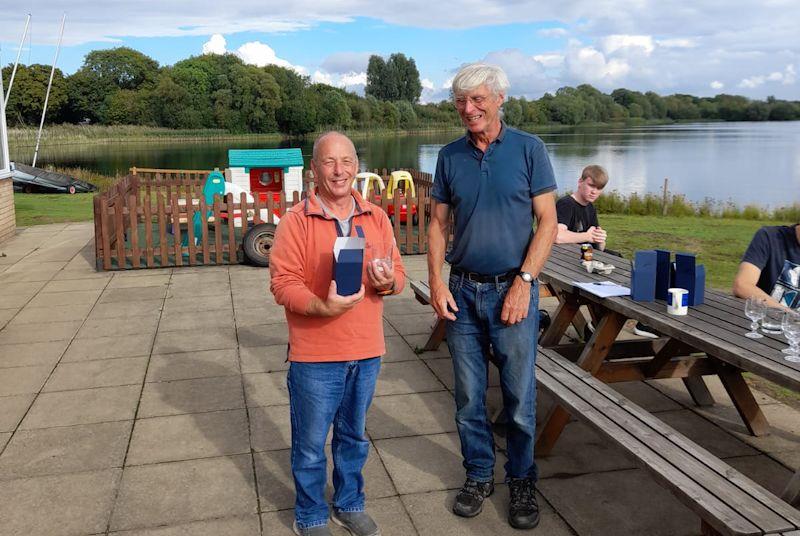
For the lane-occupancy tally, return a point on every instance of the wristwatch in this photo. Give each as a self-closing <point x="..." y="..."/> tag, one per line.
<point x="527" y="277"/>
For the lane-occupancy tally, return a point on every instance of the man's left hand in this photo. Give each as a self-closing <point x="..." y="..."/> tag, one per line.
<point x="380" y="275"/>
<point x="515" y="306"/>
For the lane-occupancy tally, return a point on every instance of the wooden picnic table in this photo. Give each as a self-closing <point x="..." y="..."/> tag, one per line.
<point x="710" y="340"/>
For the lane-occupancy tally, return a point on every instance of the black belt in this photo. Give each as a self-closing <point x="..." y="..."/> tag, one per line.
<point x="481" y="278"/>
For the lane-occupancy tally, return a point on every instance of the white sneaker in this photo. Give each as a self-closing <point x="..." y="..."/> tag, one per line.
<point x="643" y="330"/>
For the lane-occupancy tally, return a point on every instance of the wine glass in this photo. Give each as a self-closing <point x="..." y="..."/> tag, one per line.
<point x="791" y="330"/>
<point x="754" y="308"/>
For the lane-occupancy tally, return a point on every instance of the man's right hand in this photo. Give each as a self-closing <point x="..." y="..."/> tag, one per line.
<point x="441" y="298"/>
<point x="336" y="305"/>
<point x="596" y="235"/>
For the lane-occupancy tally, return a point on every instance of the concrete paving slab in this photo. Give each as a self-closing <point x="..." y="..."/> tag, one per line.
<point x="108" y="327"/>
<point x="388" y="329"/>
<point x="56" y="331"/>
<point x="16" y="301"/>
<point x="270" y="428"/>
<point x="32" y="354"/>
<point x="418" y="323"/>
<point x="51" y="299"/>
<point x="418" y="342"/>
<point x="266" y="389"/>
<point x="149" y="280"/>
<point x="179" y="492"/>
<point x="12" y="409"/>
<point x="191" y="396"/>
<point x="109" y="347"/>
<point x="275" y="483"/>
<point x="425" y="463"/>
<point x="406" y="377"/>
<point x="675" y="389"/>
<point x="199" y="320"/>
<point x="182" y="437"/>
<point x="80" y="270"/>
<point x="221" y="303"/>
<point x="199" y="291"/>
<point x="27" y="288"/>
<point x="763" y="470"/>
<point x="397" y="305"/>
<point x="9" y="276"/>
<point x="263" y="335"/>
<point x="65" y="408"/>
<point x="619" y="503"/>
<point x="72" y="285"/>
<point x="103" y="373"/>
<point x="279" y="523"/>
<point x="4" y="437"/>
<point x="263" y="358"/>
<point x="260" y="315"/>
<point x="67" y="449"/>
<point x="708" y="436"/>
<point x="645" y="396"/>
<point x="411" y="415"/>
<point x="62" y="505"/>
<point x="432" y="516"/>
<point x="189" y="340"/>
<point x="188" y="365"/>
<point x="56" y="313"/>
<point x="250" y="300"/>
<point x="229" y="526"/>
<point x="23" y="380"/>
<point x="6" y="315"/>
<point x="397" y="349"/>
<point x="117" y="310"/>
<point x="116" y="295"/>
<point x="784" y="436"/>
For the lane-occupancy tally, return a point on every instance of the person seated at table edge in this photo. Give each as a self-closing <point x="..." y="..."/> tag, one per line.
<point x="577" y="217"/>
<point x="578" y="223"/>
<point x="765" y="259"/>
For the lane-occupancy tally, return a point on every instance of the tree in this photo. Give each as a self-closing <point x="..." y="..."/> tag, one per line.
<point x="334" y="111"/>
<point x="391" y="115"/>
<point x="26" y="101"/>
<point x="393" y="80"/>
<point x="512" y="112"/>
<point x="129" y="107"/>
<point x="408" y="117"/>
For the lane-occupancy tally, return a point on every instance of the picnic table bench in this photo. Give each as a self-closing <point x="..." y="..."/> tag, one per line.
<point x="726" y="501"/>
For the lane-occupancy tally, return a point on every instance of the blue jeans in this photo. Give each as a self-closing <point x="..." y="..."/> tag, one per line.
<point x="321" y="395"/>
<point x="476" y="330"/>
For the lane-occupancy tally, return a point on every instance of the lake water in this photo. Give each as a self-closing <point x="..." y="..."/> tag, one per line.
<point x="739" y="162"/>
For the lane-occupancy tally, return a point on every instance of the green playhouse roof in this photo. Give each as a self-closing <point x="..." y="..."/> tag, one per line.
<point x="265" y="157"/>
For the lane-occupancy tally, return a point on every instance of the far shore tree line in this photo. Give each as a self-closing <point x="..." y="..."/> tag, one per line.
<point x="122" y="86"/>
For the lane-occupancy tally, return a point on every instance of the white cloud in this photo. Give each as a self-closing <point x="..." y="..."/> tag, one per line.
<point x="591" y="65"/>
<point x="353" y="79"/>
<point x="215" y="45"/>
<point x="550" y="60"/>
<point x="322" y="78"/>
<point x="253" y="53"/>
<point x="426" y="84"/>
<point x="527" y="75"/>
<point x="716" y="84"/>
<point x="553" y="33"/>
<point x="677" y="42"/>
<point x="787" y="77"/>
<point x="346" y="62"/>
<point x="640" y="43"/>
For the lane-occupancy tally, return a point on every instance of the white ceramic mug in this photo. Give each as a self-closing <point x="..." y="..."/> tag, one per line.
<point x="678" y="301"/>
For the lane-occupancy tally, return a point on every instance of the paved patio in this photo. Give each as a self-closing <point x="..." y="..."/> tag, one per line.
<point x="154" y="402"/>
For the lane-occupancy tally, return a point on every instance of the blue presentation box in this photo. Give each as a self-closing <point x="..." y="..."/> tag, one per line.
<point x="643" y="276"/>
<point x="663" y="274"/>
<point x="348" y="265"/>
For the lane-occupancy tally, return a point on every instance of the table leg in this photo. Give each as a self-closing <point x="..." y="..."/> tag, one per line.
<point x="742" y="397"/>
<point x="437" y="335"/>
<point x="590" y="360"/>
<point x="567" y="309"/>
<point x="792" y="492"/>
<point x="698" y="391"/>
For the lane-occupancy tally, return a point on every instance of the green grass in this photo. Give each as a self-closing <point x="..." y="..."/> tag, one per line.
<point x="37" y="209"/>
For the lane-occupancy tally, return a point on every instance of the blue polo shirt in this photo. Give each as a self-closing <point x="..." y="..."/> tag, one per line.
<point x="490" y="196"/>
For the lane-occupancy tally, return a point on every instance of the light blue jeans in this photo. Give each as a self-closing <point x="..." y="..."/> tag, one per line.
<point x="321" y="395"/>
<point x="476" y="330"/>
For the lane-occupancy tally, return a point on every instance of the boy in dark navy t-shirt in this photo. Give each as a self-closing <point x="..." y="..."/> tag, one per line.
<point x="770" y="267"/>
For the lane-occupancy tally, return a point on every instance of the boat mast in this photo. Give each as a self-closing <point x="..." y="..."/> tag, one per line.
<point x="16" y="63"/>
<point x="47" y="95"/>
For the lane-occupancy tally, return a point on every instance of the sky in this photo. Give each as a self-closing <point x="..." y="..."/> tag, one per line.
<point x="703" y="47"/>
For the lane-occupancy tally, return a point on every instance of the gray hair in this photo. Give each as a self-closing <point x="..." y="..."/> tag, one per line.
<point x="318" y="142"/>
<point x="473" y="75"/>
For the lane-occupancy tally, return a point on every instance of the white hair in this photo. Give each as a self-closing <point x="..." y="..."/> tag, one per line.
<point x="474" y="75"/>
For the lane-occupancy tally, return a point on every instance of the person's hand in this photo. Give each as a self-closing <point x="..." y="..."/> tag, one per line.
<point x="596" y="235"/>
<point x="336" y="305"/>
<point x="517" y="302"/>
<point x="441" y="299"/>
<point x="380" y="275"/>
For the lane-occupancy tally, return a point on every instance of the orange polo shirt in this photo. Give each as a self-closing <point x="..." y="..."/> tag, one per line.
<point x="301" y="267"/>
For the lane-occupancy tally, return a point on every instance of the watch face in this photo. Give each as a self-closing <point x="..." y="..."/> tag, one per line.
<point x="526" y="276"/>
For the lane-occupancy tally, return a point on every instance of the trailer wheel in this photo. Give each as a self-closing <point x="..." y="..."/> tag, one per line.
<point x="257" y="243"/>
<point x="71" y="189"/>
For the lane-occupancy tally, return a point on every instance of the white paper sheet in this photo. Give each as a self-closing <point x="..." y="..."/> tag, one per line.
<point x="347" y="242"/>
<point x="604" y="289"/>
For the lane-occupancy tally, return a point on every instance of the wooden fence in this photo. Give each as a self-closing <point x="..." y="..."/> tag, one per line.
<point x="145" y="220"/>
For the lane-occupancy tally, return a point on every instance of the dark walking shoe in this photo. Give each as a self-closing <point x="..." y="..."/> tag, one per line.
<point x="319" y="530"/>
<point x="523" y="510"/>
<point x="643" y="330"/>
<point x="356" y="523"/>
<point x="469" y="500"/>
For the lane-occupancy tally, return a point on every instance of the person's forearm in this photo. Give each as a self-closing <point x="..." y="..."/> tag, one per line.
<point x="747" y="291"/>
<point x="540" y="246"/>
<point x="317" y="307"/>
<point x="566" y="236"/>
<point x="436" y="248"/>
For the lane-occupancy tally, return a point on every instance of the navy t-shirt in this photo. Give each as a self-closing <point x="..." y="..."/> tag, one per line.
<point x="578" y="218"/>
<point x="490" y="195"/>
<point x="768" y="250"/>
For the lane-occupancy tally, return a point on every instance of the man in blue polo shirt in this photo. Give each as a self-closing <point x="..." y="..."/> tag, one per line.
<point x="495" y="180"/>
